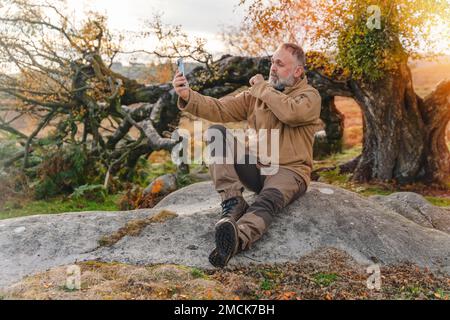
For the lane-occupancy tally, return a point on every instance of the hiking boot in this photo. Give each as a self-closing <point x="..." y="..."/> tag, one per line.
<point x="227" y="243"/>
<point x="234" y="208"/>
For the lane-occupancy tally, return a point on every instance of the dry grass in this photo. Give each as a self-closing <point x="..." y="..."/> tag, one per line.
<point x="116" y="281"/>
<point x="134" y="227"/>
<point x="324" y="274"/>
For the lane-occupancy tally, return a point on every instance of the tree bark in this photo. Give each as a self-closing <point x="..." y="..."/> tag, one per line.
<point x="404" y="138"/>
<point x="435" y="109"/>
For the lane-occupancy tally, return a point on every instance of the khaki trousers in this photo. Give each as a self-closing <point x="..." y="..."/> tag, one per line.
<point x="274" y="192"/>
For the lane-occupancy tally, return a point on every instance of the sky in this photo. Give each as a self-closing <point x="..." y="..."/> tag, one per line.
<point x="199" y="18"/>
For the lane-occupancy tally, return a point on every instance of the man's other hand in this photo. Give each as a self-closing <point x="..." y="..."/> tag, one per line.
<point x="256" y="79"/>
<point x="181" y="86"/>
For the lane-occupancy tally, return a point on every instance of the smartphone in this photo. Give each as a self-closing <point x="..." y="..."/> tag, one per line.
<point x="180" y="65"/>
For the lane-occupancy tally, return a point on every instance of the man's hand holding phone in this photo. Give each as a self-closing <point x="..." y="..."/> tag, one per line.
<point x="180" y="83"/>
<point x="181" y="86"/>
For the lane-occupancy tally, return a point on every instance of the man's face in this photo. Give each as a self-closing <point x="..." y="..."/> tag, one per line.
<point x="285" y="69"/>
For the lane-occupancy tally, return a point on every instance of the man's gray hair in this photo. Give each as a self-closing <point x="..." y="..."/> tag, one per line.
<point x="296" y="51"/>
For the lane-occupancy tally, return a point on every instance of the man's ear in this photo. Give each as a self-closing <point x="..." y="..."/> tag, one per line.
<point x="299" y="71"/>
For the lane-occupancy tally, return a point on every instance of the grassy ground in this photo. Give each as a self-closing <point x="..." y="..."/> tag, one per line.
<point x="437" y="196"/>
<point x="327" y="274"/>
<point x="24" y="205"/>
<point x="14" y="208"/>
<point x="343" y="181"/>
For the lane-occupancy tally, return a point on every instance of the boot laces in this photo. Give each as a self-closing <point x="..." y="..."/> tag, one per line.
<point x="228" y="205"/>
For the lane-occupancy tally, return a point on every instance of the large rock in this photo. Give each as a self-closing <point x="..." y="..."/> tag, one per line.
<point x="325" y="216"/>
<point x="416" y="208"/>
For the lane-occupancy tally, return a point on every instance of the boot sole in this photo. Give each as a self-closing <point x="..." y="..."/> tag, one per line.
<point x="226" y="240"/>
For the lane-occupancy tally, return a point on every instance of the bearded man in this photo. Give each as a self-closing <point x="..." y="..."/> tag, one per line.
<point x="285" y="103"/>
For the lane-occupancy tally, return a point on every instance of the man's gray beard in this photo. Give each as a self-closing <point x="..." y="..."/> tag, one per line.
<point x="279" y="86"/>
<point x="282" y="83"/>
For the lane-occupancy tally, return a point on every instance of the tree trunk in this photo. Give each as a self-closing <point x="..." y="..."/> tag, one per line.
<point x="436" y="114"/>
<point x="404" y="139"/>
<point x="329" y="114"/>
<point x="334" y="129"/>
